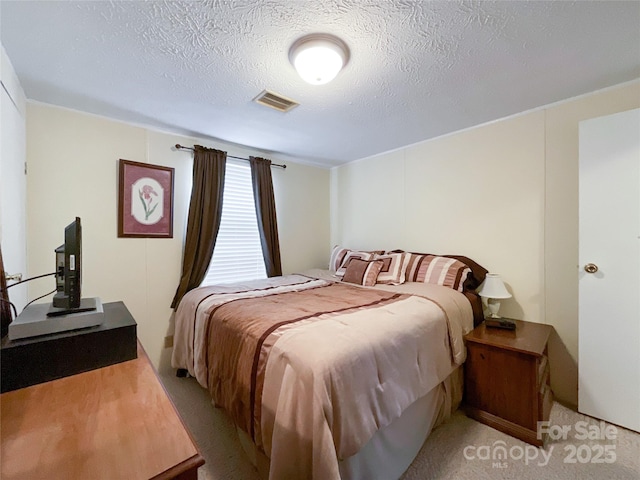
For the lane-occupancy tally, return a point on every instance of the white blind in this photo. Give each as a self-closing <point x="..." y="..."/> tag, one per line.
<point x="237" y="255"/>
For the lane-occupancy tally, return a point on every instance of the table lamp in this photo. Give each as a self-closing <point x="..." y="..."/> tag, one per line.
<point x="492" y="291"/>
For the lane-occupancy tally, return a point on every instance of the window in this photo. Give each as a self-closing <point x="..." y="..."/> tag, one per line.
<point x="237" y="255"/>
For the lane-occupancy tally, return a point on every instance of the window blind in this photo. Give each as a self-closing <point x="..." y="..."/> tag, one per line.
<point x="237" y="255"/>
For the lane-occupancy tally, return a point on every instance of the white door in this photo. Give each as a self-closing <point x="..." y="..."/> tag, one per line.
<point x="609" y="325"/>
<point x="12" y="179"/>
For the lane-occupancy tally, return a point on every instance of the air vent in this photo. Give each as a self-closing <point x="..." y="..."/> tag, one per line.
<point x="274" y="100"/>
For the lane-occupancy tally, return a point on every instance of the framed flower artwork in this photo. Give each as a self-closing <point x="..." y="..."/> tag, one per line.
<point x="145" y="200"/>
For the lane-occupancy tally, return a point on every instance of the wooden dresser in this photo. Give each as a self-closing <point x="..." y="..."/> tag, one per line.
<point x="507" y="378"/>
<point x="115" y="422"/>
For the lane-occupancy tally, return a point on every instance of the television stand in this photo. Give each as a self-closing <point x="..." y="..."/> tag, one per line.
<point x="34" y="320"/>
<point x="29" y="361"/>
<point x="86" y="305"/>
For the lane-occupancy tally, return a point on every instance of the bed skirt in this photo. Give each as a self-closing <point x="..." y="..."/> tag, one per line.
<point x="393" y="448"/>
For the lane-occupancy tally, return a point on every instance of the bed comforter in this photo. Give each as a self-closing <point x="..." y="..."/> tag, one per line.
<point x="312" y="368"/>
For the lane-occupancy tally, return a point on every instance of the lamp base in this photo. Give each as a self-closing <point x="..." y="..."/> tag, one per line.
<point x="494" y="307"/>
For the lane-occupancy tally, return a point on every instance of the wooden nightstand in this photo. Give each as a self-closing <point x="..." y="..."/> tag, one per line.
<point x="507" y="378"/>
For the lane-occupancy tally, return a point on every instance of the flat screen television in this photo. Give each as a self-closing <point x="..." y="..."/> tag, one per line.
<point x="67" y="298"/>
<point x="68" y="310"/>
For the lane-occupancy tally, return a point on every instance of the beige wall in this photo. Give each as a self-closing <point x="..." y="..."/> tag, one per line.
<point x="504" y="194"/>
<point x="478" y="193"/>
<point x="73" y="170"/>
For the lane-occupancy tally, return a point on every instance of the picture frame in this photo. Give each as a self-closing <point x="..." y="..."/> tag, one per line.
<point x="145" y="200"/>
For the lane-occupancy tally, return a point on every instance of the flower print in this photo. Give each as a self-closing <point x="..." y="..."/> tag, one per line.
<point x="145" y="197"/>
<point x="147" y="190"/>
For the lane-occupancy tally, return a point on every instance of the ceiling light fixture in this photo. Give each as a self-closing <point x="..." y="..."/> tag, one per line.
<point x="318" y="57"/>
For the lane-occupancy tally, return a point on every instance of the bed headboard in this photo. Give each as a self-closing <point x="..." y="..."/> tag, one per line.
<point x="473" y="281"/>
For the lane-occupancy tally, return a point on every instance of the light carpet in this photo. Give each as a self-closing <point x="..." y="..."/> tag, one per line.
<point x="460" y="448"/>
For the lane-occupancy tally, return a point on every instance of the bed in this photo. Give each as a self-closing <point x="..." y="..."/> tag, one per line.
<point x="327" y="379"/>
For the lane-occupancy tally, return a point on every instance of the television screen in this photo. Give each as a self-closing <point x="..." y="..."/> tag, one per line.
<point x="68" y="268"/>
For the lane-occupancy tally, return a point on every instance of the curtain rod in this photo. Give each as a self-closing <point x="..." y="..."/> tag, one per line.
<point x="180" y="147"/>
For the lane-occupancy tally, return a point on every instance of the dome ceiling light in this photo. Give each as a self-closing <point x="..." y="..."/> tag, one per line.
<point x="318" y="57"/>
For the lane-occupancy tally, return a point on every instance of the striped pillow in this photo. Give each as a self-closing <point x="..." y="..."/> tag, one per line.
<point x="337" y="256"/>
<point x="395" y="266"/>
<point x="350" y="255"/>
<point x="445" y="271"/>
<point x="362" y="272"/>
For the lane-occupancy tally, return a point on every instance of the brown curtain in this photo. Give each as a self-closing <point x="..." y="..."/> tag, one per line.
<point x="266" y="214"/>
<point x="203" y="223"/>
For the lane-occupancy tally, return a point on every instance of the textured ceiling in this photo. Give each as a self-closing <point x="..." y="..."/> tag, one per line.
<point x="418" y="69"/>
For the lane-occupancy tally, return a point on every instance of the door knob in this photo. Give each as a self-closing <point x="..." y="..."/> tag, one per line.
<point x="591" y="268"/>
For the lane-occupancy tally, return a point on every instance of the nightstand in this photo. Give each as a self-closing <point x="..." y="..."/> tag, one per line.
<point x="507" y="378"/>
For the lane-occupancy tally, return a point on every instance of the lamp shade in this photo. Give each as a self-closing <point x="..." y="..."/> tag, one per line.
<point x="318" y="57"/>
<point x="493" y="287"/>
